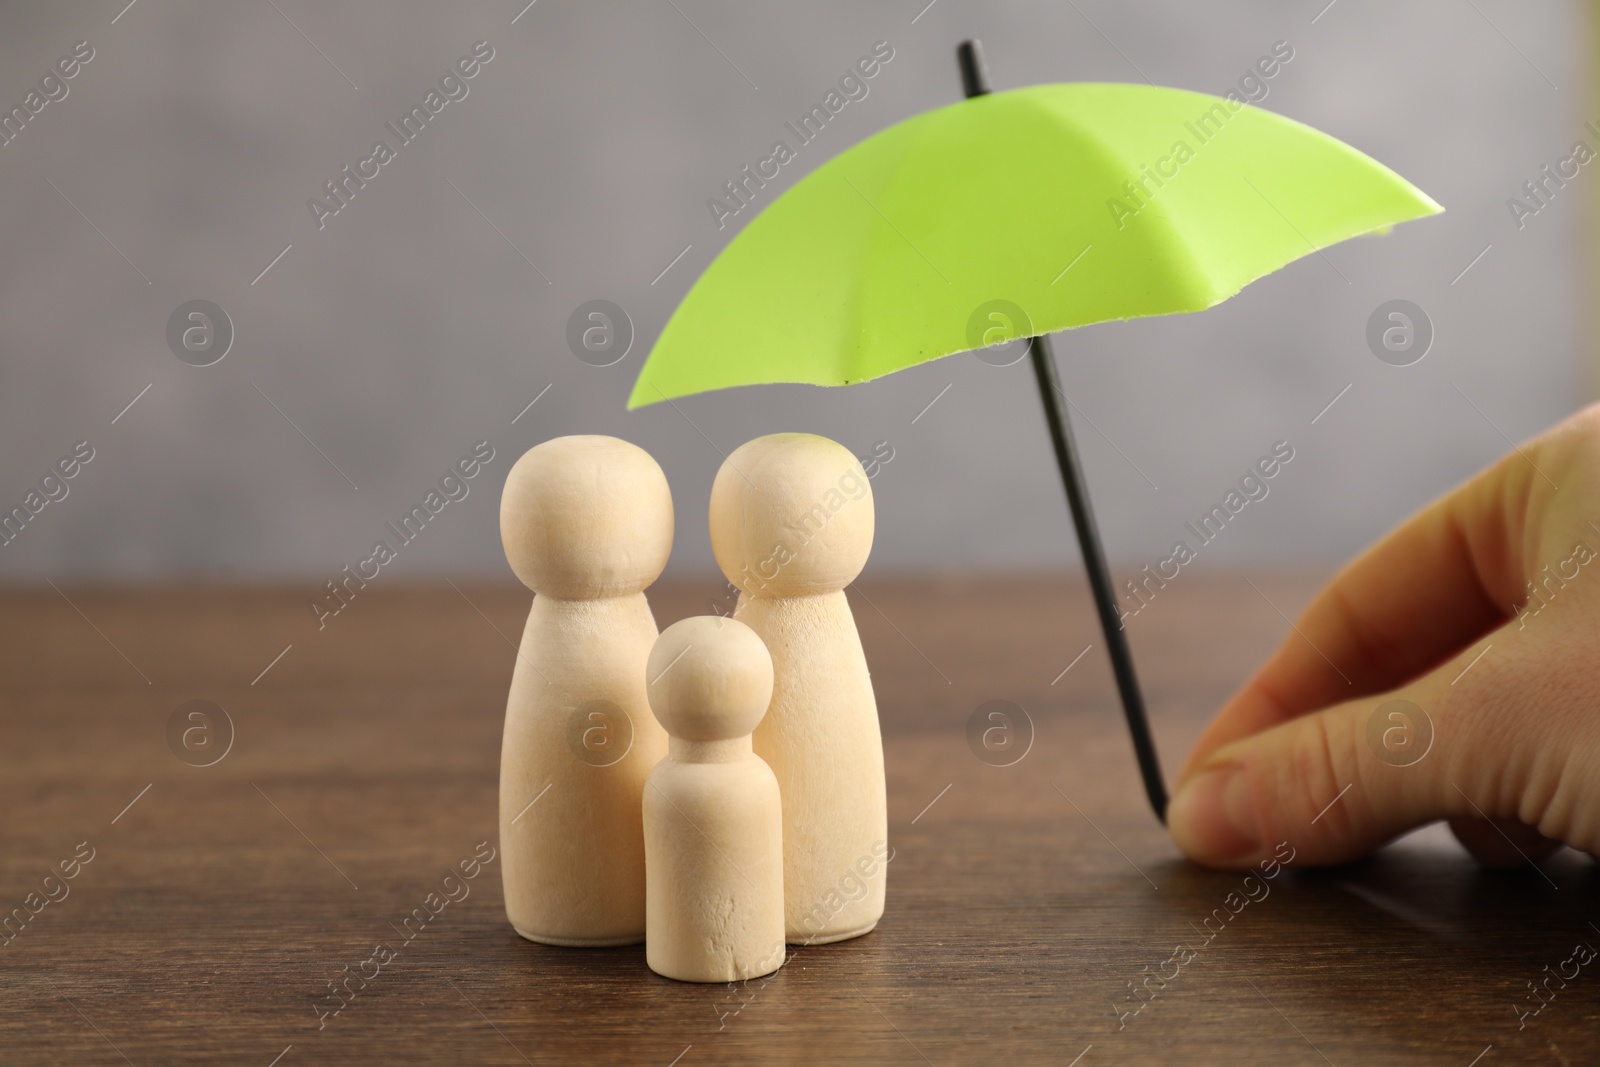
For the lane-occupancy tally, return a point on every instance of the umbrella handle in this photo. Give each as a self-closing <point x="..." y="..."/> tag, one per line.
<point x="1094" y="562"/>
<point x="975" y="81"/>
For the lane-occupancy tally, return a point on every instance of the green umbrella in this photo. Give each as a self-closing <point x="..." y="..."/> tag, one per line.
<point x="1013" y="215"/>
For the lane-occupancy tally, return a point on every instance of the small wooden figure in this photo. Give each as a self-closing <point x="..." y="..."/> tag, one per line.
<point x="713" y="828"/>
<point x="587" y="524"/>
<point x="791" y="526"/>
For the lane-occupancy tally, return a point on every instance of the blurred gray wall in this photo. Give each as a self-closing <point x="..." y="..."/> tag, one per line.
<point x="379" y="348"/>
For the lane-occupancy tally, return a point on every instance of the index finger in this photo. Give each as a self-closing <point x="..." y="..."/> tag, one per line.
<point x="1442" y="579"/>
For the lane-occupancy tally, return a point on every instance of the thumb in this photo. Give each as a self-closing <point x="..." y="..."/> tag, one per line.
<point x="1337" y="783"/>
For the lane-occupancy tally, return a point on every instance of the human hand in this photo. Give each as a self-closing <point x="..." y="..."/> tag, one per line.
<point x="1501" y="568"/>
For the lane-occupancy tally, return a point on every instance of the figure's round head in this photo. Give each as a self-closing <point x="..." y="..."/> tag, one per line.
<point x="585" y="517"/>
<point x="710" y="679"/>
<point x="791" y="515"/>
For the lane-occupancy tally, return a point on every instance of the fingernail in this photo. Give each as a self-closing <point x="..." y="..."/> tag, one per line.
<point x="1213" y="819"/>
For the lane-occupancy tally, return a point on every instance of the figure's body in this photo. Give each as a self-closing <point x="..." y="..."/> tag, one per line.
<point x="791" y="525"/>
<point x="713" y="828"/>
<point x="587" y="524"/>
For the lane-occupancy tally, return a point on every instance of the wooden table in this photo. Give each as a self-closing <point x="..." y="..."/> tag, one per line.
<point x="221" y="901"/>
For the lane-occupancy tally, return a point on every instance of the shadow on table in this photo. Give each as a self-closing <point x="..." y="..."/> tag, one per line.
<point x="1410" y="950"/>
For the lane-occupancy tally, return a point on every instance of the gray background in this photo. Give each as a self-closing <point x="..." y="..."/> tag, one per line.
<point x="407" y="328"/>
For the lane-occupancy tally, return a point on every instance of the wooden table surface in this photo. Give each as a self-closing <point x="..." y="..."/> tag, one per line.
<point x="221" y="901"/>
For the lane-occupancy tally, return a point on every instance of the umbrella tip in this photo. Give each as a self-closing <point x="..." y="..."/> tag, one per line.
<point x="974" y="73"/>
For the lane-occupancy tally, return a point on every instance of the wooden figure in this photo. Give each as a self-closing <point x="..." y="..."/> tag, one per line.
<point x="587" y="524"/>
<point x="713" y="828"/>
<point x="791" y="526"/>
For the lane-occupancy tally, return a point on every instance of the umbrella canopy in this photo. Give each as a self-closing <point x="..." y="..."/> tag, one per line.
<point x="944" y="234"/>
<point x="1075" y="203"/>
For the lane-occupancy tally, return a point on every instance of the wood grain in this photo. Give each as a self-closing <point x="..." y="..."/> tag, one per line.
<point x="1022" y="899"/>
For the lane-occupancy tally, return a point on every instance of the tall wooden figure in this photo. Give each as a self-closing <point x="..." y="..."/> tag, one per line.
<point x="713" y="832"/>
<point x="791" y="526"/>
<point x="587" y="525"/>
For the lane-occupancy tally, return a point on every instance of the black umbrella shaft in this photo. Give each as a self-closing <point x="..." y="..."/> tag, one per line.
<point x="974" y="75"/>
<point x="975" y="82"/>
<point x="1094" y="562"/>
